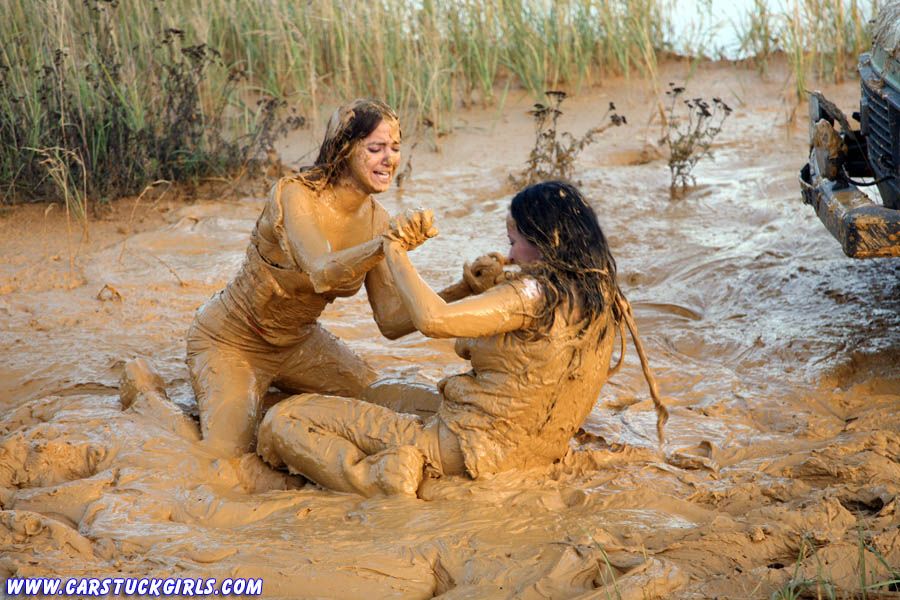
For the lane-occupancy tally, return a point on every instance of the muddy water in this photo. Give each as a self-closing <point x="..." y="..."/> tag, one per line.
<point x="778" y="358"/>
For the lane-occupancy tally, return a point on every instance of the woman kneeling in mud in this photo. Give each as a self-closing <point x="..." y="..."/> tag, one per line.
<point x="540" y="345"/>
<point x="319" y="237"/>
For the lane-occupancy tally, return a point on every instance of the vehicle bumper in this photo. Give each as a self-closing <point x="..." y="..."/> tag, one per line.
<point x="863" y="228"/>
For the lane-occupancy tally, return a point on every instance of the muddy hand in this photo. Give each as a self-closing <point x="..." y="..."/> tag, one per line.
<point x="412" y="229"/>
<point x="484" y="272"/>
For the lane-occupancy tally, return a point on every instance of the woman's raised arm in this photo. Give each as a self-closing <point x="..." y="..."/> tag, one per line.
<point x="388" y="308"/>
<point x="328" y="269"/>
<point x="500" y="309"/>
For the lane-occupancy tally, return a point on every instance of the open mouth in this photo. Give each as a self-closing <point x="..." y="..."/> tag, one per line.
<point x="382" y="176"/>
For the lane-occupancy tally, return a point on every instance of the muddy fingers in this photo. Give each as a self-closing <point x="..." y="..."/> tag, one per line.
<point x="413" y="228"/>
<point x="484" y="272"/>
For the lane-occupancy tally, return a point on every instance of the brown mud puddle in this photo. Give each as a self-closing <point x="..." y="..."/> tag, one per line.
<point x="778" y="356"/>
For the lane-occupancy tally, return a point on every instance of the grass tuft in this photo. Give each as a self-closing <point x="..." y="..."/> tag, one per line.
<point x="691" y="127"/>
<point x="820" y="38"/>
<point x="144" y="91"/>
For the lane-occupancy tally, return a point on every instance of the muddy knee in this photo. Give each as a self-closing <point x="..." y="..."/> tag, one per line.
<point x="228" y="392"/>
<point x="275" y="428"/>
<point x="228" y="423"/>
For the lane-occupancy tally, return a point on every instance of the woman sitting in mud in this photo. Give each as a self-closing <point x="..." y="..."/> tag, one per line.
<point x="539" y="342"/>
<point x="318" y="238"/>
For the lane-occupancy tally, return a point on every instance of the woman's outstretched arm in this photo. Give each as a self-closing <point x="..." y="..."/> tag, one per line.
<point x="388" y="308"/>
<point x="500" y="309"/>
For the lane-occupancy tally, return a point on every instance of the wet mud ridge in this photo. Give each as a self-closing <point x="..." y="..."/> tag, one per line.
<point x="776" y="355"/>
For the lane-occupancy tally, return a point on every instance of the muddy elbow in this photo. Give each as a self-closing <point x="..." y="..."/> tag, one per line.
<point x="431" y="327"/>
<point x="390" y="323"/>
<point x="390" y="331"/>
<point x="320" y="282"/>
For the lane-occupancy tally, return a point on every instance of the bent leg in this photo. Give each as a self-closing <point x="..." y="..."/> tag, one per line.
<point x="324" y="364"/>
<point x="228" y="388"/>
<point x="346" y="444"/>
<point x="404" y="396"/>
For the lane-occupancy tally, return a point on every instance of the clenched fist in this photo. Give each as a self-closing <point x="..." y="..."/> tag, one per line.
<point x="485" y="272"/>
<point x="412" y="229"/>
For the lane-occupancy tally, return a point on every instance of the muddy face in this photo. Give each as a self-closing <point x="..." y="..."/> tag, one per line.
<point x="375" y="158"/>
<point x="521" y="251"/>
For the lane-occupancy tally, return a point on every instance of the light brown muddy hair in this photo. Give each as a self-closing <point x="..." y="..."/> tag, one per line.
<point x="348" y="125"/>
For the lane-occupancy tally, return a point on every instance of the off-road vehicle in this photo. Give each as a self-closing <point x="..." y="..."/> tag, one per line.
<point x="843" y="160"/>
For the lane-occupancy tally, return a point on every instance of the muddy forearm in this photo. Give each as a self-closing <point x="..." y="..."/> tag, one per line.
<point x="419" y="300"/>
<point x="501" y="309"/>
<point x="337" y="269"/>
<point x="396" y="322"/>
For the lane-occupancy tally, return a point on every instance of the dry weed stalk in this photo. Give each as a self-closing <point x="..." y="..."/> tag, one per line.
<point x="689" y="137"/>
<point x="554" y="152"/>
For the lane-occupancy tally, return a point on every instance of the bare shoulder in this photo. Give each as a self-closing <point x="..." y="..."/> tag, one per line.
<point x="528" y="289"/>
<point x="296" y="196"/>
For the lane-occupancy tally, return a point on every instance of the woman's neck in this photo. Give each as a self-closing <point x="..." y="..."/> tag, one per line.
<point x="347" y="197"/>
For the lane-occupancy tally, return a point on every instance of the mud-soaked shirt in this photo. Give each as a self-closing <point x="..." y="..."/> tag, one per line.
<point x="524" y="399"/>
<point x="271" y="297"/>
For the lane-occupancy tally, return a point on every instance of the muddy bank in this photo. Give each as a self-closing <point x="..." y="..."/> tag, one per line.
<point x="777" y="355"/>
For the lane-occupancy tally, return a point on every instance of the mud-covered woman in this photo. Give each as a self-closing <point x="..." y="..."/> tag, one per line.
<point x="540" y="344"/>
<point x="318" y="238"/>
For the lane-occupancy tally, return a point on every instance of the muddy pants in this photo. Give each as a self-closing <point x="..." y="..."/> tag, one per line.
<point x="351" y="445"/>
<point x="231" y="378"/>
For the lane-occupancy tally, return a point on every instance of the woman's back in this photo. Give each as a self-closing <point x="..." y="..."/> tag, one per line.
<point x="524" y="398"/>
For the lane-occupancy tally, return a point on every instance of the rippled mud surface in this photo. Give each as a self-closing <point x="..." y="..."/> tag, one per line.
<point x="777" y="355"/>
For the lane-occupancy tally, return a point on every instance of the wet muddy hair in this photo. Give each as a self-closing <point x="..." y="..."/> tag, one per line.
<point x="576" y="268"/>
<point x="348" y="124"/>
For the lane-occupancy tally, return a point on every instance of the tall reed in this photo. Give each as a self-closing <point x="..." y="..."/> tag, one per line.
<point x="141" y="91"/>
<point x="821" y="39"/>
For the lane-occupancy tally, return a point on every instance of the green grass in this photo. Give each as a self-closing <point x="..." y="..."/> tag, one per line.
<point x="821" y="39"/>
<point x="134" y="92"/>
<point x="811" y="579"/>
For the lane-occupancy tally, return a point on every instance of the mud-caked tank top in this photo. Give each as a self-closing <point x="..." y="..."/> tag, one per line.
<point x="271" y="296"/>
<point x="524" y="399"/>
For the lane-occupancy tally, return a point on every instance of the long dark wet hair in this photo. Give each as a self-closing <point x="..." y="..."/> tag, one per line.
<point x="349" y="124"/>
<point x="576" y="268"/>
